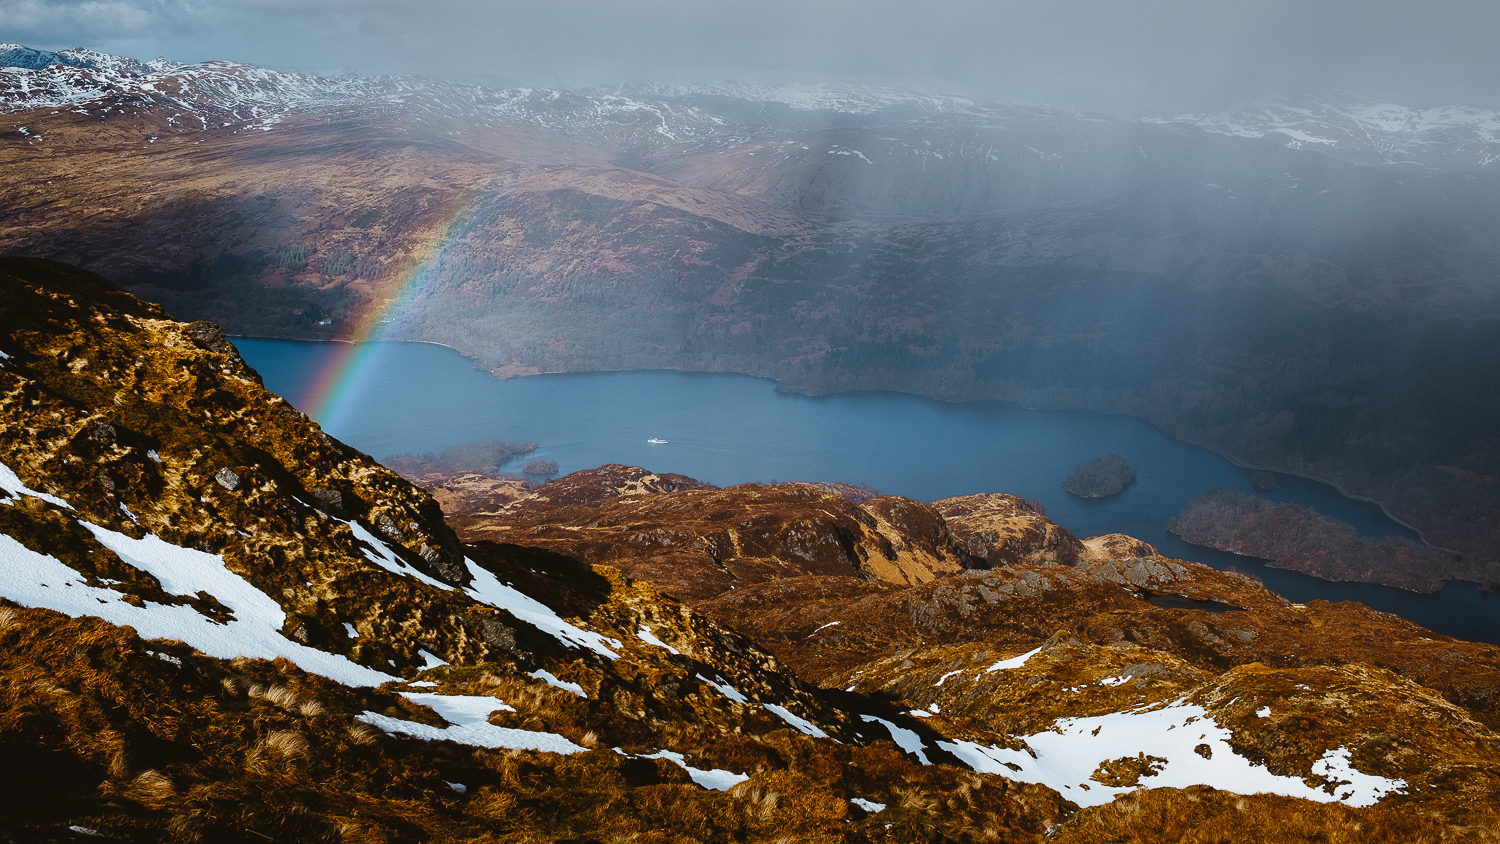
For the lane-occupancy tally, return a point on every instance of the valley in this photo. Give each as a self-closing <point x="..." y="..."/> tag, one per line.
<point x="222" y="623"/>
<point x="1337" y="308"/>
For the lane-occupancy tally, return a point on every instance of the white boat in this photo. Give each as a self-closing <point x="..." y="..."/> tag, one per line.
<point x="657" y="441"/>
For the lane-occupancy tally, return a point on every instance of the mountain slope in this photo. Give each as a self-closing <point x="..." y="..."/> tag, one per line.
<point x="1281" y="305"/>
<point x="284" y="594"/>
<point x="221" y="624"/>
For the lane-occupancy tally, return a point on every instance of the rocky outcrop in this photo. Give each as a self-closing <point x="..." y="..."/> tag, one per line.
<point x="999" y="529"/>
<point x="595" y="487"/>
<point x="1114" y="546"/>
<point x="696" y="541"/>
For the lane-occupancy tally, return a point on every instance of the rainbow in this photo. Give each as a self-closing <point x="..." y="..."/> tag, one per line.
<point x="355" y="361"/>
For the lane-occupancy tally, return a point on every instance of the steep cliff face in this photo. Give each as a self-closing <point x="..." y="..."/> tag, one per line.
<point x="219" y="624"/>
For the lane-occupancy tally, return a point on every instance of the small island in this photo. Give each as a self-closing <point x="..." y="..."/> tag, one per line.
<point x="540" y="467"/>
<point x="1100" y="477"/>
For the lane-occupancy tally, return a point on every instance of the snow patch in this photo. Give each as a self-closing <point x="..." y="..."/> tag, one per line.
<point x="381" y="555"/>
<point x="12" y="484"/>
<point x="551" y="680"/>
<point x="650" y="639"/>
<point x="1013" y="662"/>
<point x="1066" y="757"/>
<point x="712" y="778"/>
<point x="41" y="580"/>
<point x="725" y="689"/>
<point x="469" y="717"/>
<point x="868" y="805"/>
<point x="486" y="588"/>
<point x="795" y="720"/>
<point x="905" y="739"/>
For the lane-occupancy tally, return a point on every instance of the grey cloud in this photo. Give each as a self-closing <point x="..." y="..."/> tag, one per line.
<point x="1149" y="54"/>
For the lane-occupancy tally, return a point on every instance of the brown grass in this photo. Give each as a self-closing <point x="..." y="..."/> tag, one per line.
<point x="1202" y="815"/>
<point x="152" y="788"/>
<point x="282" y="697"/>
<point x="287" y="743"/>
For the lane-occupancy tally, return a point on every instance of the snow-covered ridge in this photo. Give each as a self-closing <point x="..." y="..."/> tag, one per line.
<point x="829" y="96"/>
<point x="21" y="56"/>
<point x="1370" y="131"/>
<point x="229" y="95"/>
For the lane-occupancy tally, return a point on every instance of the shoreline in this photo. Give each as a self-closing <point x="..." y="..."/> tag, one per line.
<point x="779" y="386"/>
<point x="1271" y="564"/>
<point x="1422" y="535"/>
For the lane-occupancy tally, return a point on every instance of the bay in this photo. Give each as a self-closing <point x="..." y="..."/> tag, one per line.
<point x="727" y="429"/>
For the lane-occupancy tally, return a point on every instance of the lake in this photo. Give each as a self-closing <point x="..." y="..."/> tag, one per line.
<point x="727" y="429"/>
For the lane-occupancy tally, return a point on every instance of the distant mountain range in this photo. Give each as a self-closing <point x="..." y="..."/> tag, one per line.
<point x="1342" y="124"/>
<point x="1365" y="131"/>
<point x="1307" y="285"/>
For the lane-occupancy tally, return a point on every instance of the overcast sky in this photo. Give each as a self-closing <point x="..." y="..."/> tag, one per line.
<point x="1119" y="55"/>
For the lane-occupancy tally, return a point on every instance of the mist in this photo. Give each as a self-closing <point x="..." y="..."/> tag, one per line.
<point x="1144" y="57"/>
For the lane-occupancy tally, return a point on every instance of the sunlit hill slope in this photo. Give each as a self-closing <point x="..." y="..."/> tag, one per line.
<point x="220" y="624"/>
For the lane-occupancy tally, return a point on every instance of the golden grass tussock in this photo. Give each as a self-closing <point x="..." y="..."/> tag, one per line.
<point x="363" y="734"/>
<point x="757" y="802"/>
<point x="8" y="617"/>
<point x="913" y="799"/>
<point x="282" y="697"/>
<point x="311" y="709"/>
<point x="288" y="744"/>
<point x="152" y="788"/>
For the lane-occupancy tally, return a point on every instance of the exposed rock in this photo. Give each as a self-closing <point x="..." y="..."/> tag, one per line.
<point x="1114" y="546"/>
<point x="227" y="478"/>
<point x="208" y="335"/>
<point x="331" y="501"/>
<point x="997" y="529"/>
<point x="695" y="540"/>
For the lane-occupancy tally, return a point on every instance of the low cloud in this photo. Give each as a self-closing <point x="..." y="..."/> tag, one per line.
<point x="1145" y="55"/>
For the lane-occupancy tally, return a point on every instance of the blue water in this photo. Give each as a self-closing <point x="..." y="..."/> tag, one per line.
<point x="728" y="429"/>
